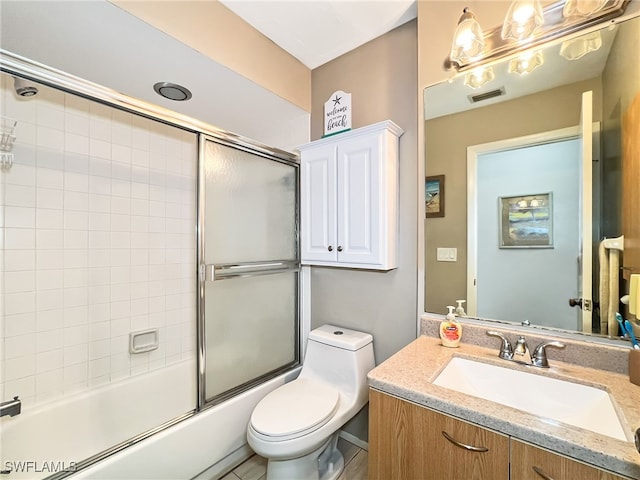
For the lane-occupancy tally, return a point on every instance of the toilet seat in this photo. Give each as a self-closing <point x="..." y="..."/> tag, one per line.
<point x="295" y="409"/>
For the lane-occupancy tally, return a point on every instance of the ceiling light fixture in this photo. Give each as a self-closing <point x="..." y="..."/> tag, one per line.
<point x="479" y="77"/>
<point x="523" y="17"/>
<point x="527" y="25"/>
<point x="172" y="91"/>
<point x="526" y="63"/>
<point x="468" y="40"/>
<point x="578" y="47"/>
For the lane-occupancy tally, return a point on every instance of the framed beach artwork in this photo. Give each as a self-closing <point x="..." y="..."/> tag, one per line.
<point x="526" y="221"/>
<point x="434" y="196"/>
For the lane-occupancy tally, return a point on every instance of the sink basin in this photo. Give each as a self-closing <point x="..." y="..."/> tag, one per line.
<point x="571" y="403"/>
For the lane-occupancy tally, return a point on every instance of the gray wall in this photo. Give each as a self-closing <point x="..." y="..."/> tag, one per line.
<point x="382" y="79"/>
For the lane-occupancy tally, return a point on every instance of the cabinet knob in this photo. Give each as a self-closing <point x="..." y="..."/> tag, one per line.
<point x="330" y="248"/>
<point x="339" y="248"/>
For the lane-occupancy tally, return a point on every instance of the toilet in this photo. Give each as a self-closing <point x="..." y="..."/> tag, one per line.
<point x="296" y="426"/>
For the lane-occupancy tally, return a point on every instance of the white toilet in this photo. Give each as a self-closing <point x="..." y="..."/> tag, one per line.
<point x="296" y="426"/>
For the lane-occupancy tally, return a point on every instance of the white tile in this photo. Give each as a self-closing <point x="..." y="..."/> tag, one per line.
<point x="99" y="331"/>
<point x="120" y="292"/>
<point x="78" y="239"/>
<point x="121" y="188"/>
<point x="76" y="201"/>
<point x="139" y="223"/>
<point x="23" y="302"/>
<point x="121" y="154"/>
<point x="119" y="344"/>
<point x="24" y="281"/>
<point x="120" y="239"/>
<point x="120" y="223"/>
<point x="139" y="240"/>
<point x="50" y="259"/>
<point x="157" y="224"/>
<point x="99" y="294"/>
<point x="120" y="274"/>
<point x="75" y="143"/>
<point x="49" y="198"/>
<point x="99" y="239"/>
<point x="20" y="175"/>
<point x="19" y="367"/>
<point x="99" y="258"/>
<point x="78" y="124"/>
<point x="140" y="191"/>
<point x="121" y="133"/>
<point x="100" y="185"/>
<point x="75" y="277"/>
<point x="139" y="273"/>
<point x="157" y="193"/>
<point x="99" y="349"/>
<point x="77" y="163"/>
<point x="50" y="138"/>
<point x="49" y="239"/>
<point x="47" y="218"/>
<point x="49" y="300"/>
<point x="75" y="220"/>
<point x="77" y="105"/>
<point x="120" y="257"/>
<point x="75" y="297"/>
<point x="99" y="148"/>
<point x="140" y="158"/>
<point x="76" y="316"/>
<point x="120" y="310"/>
<point x="100" y="128"/>
<point x="97" y="275"/>
<point x="50" y="178"/>
<point x="19" y="260"/>
<point x="99" y="367"/>
<point x="157" y="209"/>
<point x="139" y="322"/>
<point x="76" y="182"/>
<point x="100" y="312"/>
<point x="19" y="238"/>
<point x="99" y="222"/>
<point x="49" y="360"/>
<point x="74" y="374"/>
<point x="99" y="111"/>
<point x="20" y="196"/>
<point x="100" y="167"/>
<point x="99" y="203"/>
<point x="76" y="258"/>
<point x="76" y="335"/>
<point x="140" y="290"/>
<point x="19" y="345"/>
<point x="49" y="320"/>
<point x="49" y="279"/>
<point x="19" y="324"/>
<point x="139" y="175"/>
<point x="49" y="384"/>
<point x="120" y="205"/>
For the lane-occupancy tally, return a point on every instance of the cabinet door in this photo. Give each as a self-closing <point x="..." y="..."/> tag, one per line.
<point x="406" y="442"/>
<point x="533" y="463"/>
<point x="318" y="204"/>
<point x="359" y="195"/>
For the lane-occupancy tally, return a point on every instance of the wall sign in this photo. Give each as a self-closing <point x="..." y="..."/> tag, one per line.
<point x="337" y="113"/>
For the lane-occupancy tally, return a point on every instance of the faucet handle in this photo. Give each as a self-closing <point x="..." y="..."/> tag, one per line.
<point x="540" y="353"/>
<point x="506" y="350"/>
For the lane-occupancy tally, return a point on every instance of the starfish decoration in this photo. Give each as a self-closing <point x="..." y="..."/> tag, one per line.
<point x="336" y="101"/>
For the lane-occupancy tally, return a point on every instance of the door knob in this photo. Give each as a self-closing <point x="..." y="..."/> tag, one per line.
<point x="575" y="302"/>
<point x="339" y="248"/>
<point x="330" y="248"/>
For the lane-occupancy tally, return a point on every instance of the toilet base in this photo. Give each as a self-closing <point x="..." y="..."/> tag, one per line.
<point x="324" y="463"/>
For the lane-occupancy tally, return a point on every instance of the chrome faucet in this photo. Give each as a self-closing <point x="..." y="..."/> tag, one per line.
<point x="521" y="353"/>
<point x="11" y="407"/>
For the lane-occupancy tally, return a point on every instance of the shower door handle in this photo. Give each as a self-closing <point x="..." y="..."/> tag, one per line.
<point x="234" y="270"/>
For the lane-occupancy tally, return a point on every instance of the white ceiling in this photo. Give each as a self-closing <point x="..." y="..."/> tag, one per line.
<point x="317" y="31"/>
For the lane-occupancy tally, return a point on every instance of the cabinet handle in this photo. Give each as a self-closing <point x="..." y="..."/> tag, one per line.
<point x="339" y="248"/>
<point x="470" y="448"/>
<point x="330" y="248"/>
<point x="541" y="473"/>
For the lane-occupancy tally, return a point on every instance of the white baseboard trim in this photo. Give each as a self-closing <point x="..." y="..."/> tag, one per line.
<point x="353" y="439"/>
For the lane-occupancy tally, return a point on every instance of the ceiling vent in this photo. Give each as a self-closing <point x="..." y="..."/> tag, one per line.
<point x="486" y="95"/>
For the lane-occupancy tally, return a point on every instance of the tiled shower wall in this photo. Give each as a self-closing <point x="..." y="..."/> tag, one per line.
<point x="98" y="216"/>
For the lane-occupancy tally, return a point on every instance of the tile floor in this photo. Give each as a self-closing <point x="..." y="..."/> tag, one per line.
<point x="355" y="460"/>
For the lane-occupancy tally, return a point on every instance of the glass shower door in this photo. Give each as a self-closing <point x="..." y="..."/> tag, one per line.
<point x="249" y="268"/>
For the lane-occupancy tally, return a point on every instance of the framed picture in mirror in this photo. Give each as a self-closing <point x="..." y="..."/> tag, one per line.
<point x="434" y="196"/>
<point x="526" y="221"/>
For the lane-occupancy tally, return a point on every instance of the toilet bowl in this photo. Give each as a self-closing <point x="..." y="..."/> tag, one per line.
<point x="296" y="426"/>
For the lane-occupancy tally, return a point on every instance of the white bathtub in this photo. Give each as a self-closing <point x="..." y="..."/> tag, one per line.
<point x="46" y="439"/>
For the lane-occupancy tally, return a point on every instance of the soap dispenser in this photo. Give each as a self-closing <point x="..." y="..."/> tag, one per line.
<point x="460" y="309"/>
<point x="450" y="330"/>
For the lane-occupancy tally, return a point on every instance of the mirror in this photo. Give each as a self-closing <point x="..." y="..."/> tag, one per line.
<point x="515" y="114"/>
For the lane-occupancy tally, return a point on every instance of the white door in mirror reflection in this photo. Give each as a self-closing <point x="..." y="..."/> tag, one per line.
<point x="526" y="223"/>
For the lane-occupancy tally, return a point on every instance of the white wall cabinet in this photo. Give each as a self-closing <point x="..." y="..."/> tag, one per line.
<point x="349" y="198"/>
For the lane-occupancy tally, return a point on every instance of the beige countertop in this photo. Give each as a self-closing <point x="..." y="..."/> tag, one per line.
<point x="408" y="375"/>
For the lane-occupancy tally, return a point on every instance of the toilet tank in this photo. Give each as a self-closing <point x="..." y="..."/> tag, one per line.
<point x="340" y="357"/>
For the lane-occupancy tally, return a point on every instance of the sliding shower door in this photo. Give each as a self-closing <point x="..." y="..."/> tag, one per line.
<point x="248" y="267"/>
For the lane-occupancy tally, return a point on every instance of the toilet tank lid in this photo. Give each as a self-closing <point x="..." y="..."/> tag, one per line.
<point x="340" y="337"/>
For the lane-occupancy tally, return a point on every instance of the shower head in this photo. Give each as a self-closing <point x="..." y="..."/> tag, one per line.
<point x="24" y="88"/>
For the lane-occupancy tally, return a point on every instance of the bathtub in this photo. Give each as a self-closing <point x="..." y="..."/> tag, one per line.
<point x="46" y="439"/>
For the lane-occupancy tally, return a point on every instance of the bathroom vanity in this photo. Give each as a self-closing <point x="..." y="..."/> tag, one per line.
<point x="422" y="430"/>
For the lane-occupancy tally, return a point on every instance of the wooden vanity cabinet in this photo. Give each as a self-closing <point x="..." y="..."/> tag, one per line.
<point x="406" y="442"/>
<point x="533" y="463"/>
